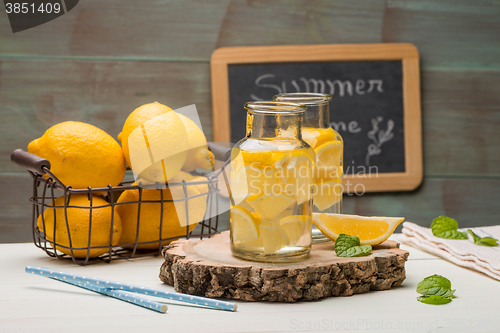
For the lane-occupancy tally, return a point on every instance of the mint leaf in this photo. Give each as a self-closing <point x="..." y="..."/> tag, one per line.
<point x="474" y="236"/>
<point x="452" y="234"/>
<point x="487" y="241"/>
<point x="435" y="285"/>
<point x="446" y="227"/>
<point x="443" y="223"/>
<point x="434" y="299"/>
<point x="484" y="241"/>
<point x="349" y="246"/>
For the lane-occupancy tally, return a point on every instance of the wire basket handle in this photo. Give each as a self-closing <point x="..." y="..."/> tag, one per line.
<point x="220" y="152"/>
<point x="34" y="164"/>
<point x="30" y="161"/>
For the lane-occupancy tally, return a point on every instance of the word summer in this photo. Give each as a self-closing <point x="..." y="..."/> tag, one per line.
<point x="332" y="87"/>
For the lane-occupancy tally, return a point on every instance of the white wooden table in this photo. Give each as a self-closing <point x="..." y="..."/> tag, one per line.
<point x="30" y="303"/>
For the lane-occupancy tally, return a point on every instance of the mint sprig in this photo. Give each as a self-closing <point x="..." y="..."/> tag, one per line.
<point x="349" y="246"/>
<point x="483" y="241"/>
<point x="435" y="289"/>
<point x="446" y="227"/>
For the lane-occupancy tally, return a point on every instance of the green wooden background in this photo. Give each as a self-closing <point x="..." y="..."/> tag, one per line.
<point x="104" y="58"/>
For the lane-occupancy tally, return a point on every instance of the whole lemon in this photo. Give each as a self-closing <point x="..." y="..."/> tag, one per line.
<point x="174" y="215"/>
<point x="198" y="154"/>
<point x="139" y="116"/>
<point x="155" y="142"/>
<point x="81" y="155"/>
<point x="78" y="224"/>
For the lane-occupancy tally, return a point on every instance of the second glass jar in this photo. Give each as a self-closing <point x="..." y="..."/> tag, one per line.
<point x="329" y="148"/>
<point x="272" y="174"/>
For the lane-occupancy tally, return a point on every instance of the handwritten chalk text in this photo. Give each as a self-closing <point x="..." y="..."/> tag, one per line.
<point x="333" y="87"/>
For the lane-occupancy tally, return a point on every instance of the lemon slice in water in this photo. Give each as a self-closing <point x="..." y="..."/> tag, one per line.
<point x="328" y="157"/>
<point x="273" y="236"/>
<point x="269" y="206"/>
<point x="295" y="227"/>
<point x="244" y="225"/>
<point x="327" y="193"/>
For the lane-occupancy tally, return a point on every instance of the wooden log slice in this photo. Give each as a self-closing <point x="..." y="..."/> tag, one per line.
<point x="207" y="268"/>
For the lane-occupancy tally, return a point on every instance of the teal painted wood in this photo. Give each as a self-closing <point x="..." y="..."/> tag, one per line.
<point x="301" y="22"/>
<point x="15" y="207"/>
<point x="461" y="122"/>
<point x="448" y="33"/>
<point x="163" y="29"/>
<point x="191" y="30"/>
<point x="35" y="95"/>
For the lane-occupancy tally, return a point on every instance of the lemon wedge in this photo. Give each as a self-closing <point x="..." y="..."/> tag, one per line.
<point x="297" y="174"/>
<point x="310" y="135"/>
<point x="254" y="179"/>
<point x="270" y="206"/>
<point x="327" y="193"/>
<point x="315" y="137"/>
<point x="296" y="226"/>
<point x="328" y="157"/>
<point x="371" y="230"/>
<point x="273" y="236"/>
<point x="244" y="225"/>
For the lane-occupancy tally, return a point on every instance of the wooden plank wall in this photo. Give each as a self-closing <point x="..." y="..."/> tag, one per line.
<point x="104" y="58"/>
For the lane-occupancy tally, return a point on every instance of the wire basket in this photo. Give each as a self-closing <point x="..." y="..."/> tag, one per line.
<point x="47" y="188"/>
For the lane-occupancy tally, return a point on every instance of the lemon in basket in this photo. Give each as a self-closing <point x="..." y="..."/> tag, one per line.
<point x="198" y="155"/>
<point x="78" y="225"/>
<point x="81" y="155"/>
<point x="155" y="142"/>
<point x="172" y="219"/>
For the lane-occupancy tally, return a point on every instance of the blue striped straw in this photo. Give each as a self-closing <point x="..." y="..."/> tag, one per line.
<point x="118" y="294"/>
<point x="94" y="282"/>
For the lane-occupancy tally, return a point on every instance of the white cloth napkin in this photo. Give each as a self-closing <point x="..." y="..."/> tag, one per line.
<point x="460" y="252"/>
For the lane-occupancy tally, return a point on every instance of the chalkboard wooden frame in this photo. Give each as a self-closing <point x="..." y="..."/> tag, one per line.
<point x="407" y="53"/>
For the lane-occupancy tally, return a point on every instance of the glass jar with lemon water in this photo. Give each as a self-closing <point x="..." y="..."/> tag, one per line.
<point x="328" y="146"/>
<point x="272" y="174"/>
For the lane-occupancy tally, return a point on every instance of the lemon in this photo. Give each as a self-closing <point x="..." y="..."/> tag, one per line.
<point x="328" y="157"/>
<point x="173" y="216"/>
<point x="326" y="193"/>
<point x="155" y="142"/>
<point x="78" y="225"/>
<point x="272" y="173"/>
<point x="252" y="179"/>
<point x="158" y="148"/>
<point x="371" y="230"/>
<point x="316" y="137"/>
<point x="273" y="236"/>
<point x="81" y="155"/>
<point x="138" y="117"/>
<point x="269" y="206"/>
<point x="244" y="225"/>
<point x="296" y="227"/>
<point x="198" y="155"/>
<point x="310" y="135"/>
<point x="179" y="177"/>
<point x="266" y="158"/>
<point x="297" y="174"/>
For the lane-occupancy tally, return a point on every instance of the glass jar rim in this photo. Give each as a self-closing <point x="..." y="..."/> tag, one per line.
<point x="303" y="98"/>
<point x="273" y="107"/>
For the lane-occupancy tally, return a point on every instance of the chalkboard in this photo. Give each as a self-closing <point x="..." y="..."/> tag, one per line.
<point x="371" y="106"/>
